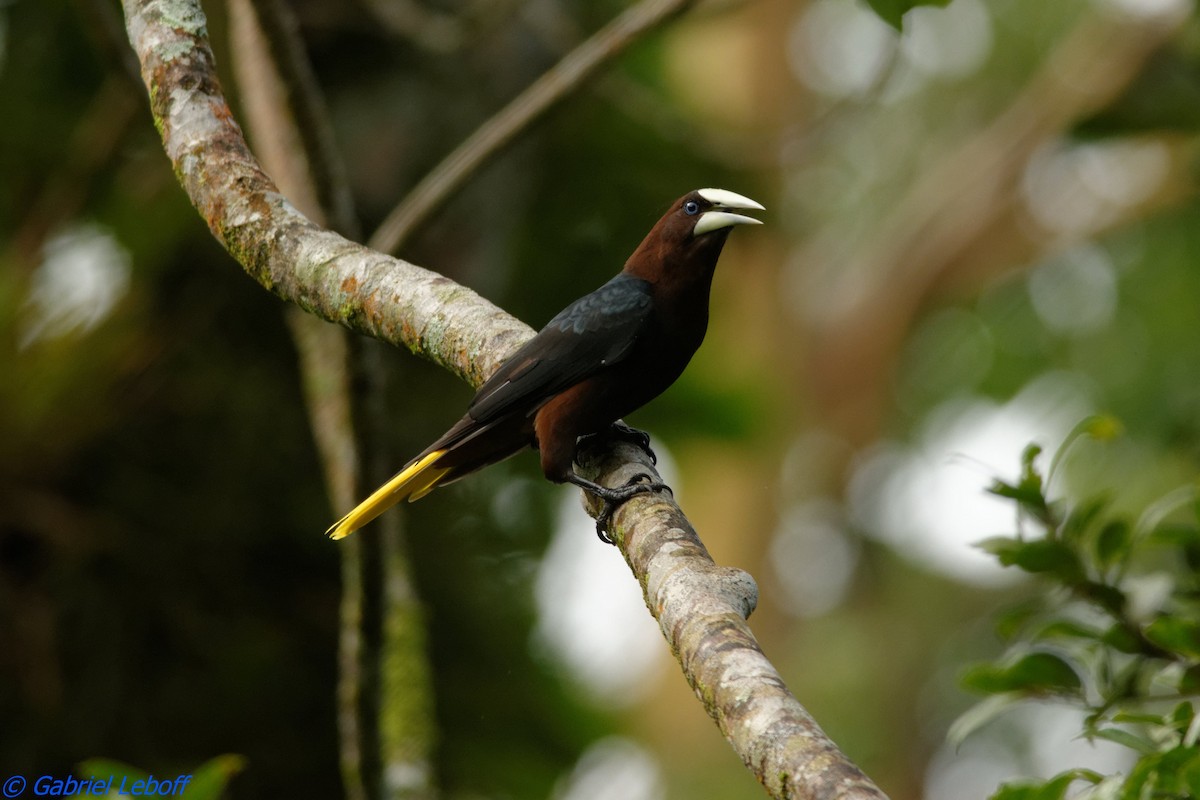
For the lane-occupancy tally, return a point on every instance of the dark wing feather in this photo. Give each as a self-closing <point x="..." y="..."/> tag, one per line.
<point x="595" y="331"/>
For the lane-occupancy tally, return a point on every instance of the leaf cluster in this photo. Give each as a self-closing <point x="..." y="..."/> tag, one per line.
<point x="208" y="781"/>
<point x="1114" y="630"/>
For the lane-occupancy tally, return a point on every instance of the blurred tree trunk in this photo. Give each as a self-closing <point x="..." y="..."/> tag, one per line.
<point x="962" y="221"/>
<point x="385" y="695"/>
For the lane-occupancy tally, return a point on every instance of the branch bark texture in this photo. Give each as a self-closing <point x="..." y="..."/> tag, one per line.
<point x="701" y="607"/>
<point x="322" y="272"/>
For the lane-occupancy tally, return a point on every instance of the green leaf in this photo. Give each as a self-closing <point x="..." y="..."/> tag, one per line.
<point x="1067" y="629"/>
<point x="892" y="11"/>
<point x="1125" y="684"/>
<point x="1182" y="715"/>
<point x="1120" y="638"/>
<point x="1081" y="517"/>
<point x="1176" y="634"/>
<point x="210" y="778"/>
<point x="1189" y="681"/>
<point x="1178" y="534"/>
<point x="1126" y="738"/>
<point x="1169" y="767"/>
<point x="1056" y="787"/>
<point x="1113" y="542"/>
<point x="1028" y="496"/>
<point x="1167" y="773"/>
<point x="1101" y="427"/>
<point x="1189" y="776"/>
<point x="1053" y="789"/>
<point x="1036" y="556"/>
<point x="1028" y="456"/>
<point x="1028" y="492"/>
<point x="1134" y="718"/>
<point x="1035" y="673"/>
<point x="1110" y="598"/>
<point x="206" y="782"/>
<point x="1017" y="791"/>
<point x="1054" y="557"/>
<point x="1001" y="546"/>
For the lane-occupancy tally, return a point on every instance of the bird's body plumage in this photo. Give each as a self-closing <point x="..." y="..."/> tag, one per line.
<point x="603" y="356"/>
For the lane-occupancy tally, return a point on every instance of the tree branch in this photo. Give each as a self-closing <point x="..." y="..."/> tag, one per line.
<point x="700" y="607"/>
<point x="336" y="279"/>
<point x="498" y="132"/>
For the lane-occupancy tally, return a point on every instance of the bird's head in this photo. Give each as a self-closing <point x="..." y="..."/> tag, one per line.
<point x="711" y="210"/>
<point x="692" y="233"/>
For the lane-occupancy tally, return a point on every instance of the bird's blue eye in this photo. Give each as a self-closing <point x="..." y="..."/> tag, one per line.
<point x="691" y="207"/>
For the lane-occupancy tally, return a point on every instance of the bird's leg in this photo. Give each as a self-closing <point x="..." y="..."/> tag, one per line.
<point x="621" y="432"/>
<point x="614" y="498"/>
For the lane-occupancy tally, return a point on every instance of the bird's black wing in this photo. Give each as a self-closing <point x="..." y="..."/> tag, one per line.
<point x="594" y="332"/>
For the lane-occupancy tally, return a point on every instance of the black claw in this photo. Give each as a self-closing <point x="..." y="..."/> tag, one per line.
<point x="635" y="436"/>
<point x="619" y="431"/>
<point x="612" y="499"/>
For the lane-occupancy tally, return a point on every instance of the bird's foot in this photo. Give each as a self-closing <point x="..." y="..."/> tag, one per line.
<point x="620" y="432"/>
<point x="612" y="499"/>
<point x="635" y="436"/>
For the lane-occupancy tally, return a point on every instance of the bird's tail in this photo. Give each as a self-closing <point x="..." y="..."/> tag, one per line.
<point x="413" y="482"/>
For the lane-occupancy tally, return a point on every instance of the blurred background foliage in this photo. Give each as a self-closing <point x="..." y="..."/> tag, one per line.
<point x="980" y="230"/>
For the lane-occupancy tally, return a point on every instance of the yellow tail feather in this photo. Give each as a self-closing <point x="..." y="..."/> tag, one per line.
<point x="428" y="481"/>
<point x="413" y="482"/>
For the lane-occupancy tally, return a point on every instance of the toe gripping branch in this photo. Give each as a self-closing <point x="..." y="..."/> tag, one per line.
<point x="614" y="498"/>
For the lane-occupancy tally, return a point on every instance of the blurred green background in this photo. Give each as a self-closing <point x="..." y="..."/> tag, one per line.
<point x="978" y="232"/>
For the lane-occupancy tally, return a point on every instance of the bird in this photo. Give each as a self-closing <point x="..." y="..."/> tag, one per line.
<point x="605" y="355"/>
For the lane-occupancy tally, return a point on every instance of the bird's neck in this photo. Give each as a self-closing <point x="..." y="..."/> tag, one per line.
<point x="684" y="273"/>
<point x="681" y="282"/>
